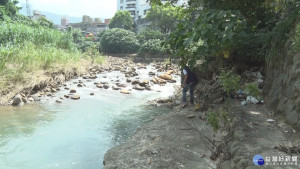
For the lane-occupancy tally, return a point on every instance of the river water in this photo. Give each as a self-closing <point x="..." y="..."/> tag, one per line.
<point x="75" y="134"/>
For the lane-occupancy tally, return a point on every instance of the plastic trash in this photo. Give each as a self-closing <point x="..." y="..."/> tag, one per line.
<point x="243" y="103"/>
<point x="270" y="120"/>
<point x="240" y="92"/>
<point x="252" y="100"/>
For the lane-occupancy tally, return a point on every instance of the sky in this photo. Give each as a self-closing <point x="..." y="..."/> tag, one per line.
<point x="77" y="8"/>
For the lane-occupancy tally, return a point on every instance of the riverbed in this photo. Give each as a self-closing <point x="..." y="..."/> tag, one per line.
<point x="75" y="134"/>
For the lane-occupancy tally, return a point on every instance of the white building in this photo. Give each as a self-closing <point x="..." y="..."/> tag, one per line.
<point x="138" y="9"/>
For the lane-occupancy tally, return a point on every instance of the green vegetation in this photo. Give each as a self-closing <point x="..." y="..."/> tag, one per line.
<point x="218" y="119"/>
<point x="152" y="47"/>
<point x="164" y="17"/>
<point x="149" y="34"/>
<point x="252" y="90"/>
<point x="28" y="47"/>
<point x="122" y="19"/>
<point x="119" y="41"/>
<point x="229" y="81"/>
<point x="234" y="32"/>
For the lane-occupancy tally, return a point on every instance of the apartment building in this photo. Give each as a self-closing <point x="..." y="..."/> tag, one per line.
<point x="138" y="10"/>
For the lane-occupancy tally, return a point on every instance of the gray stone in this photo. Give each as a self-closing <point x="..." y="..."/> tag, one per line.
<point x="290" y="91"/>
<point x="298" y="125"/>
<point x="105" y="86"/>
<point x="31" y="99"/>
<point x="292" y="117"/>
<point x="36" y="98"/>
<point x="289" y="107"/>
<point x="17" y="101"/>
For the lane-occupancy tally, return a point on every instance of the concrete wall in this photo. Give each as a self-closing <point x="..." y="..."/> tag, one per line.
<point x="282" y="85"/>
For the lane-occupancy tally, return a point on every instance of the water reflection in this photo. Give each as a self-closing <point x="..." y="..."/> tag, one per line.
<point x="22" y="121"/>
<point x="124" y="126"/>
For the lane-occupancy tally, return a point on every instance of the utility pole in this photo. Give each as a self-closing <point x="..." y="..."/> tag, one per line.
<point x="28" y="9"/>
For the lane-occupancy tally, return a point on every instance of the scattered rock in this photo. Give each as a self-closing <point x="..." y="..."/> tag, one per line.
<point x="31" y="99"/>
<point x="75" y="97"/>
<point x="124" y="91"/>
<point x="99" y="85"/>
<point x="121" y="85"/>
<point x="106" y="86"/>
<point x="72" y="91"/>
<point x="134" y="82"/>
<point x="165" y="77"/>
<point x="66" y="96"/>
<point x="93" y="77"/>
<point x="151" y="74"/>
<point x="116" y="88"/>
<point x="24" y="99"/>
<point x="92" y="94"/>
<point x="58" y="101"/>
<point x="138" y="87"/>
<point x="80" y="85"/>
<point x="169" y="72"/>
<point x="128" y="80"/>
<point x="17" y="101"/>
<point x="36" y="98"/>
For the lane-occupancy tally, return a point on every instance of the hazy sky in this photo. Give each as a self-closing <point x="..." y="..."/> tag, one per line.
<point x="93" y="8"/>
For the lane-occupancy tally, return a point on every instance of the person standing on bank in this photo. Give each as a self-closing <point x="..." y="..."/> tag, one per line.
<point x="189" y="83"/>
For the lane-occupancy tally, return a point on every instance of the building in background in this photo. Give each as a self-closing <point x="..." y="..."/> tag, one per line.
<point x="36" y="15"/>
<point x="138" y="10"/>
<point x="64" y="21"/>
<point x="89" y="25"/>
<point x="107" y="21"/>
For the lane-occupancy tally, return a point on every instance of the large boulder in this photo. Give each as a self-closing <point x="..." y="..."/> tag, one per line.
<point x="17" y="101"/>
<point x="165" y="77"/>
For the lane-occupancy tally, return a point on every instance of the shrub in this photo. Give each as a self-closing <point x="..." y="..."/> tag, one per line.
<point x="119" y="41"/>
<point x="252" y="90"/>
<point x="152" y="47"/>
<point x="150" y="34"/>
<point x="229" y="81"/>
<point x="218" y="119"/>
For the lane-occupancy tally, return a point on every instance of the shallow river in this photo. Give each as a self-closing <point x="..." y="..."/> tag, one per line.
<point x="75" y="134"/>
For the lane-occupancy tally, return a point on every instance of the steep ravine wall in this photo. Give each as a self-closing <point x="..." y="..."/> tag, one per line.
<point x="282" y="84"/>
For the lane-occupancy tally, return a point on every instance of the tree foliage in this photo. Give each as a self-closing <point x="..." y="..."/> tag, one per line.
<point x="163" y="17"/>
<point x="8" y="8"/>
<point x="123" y="20"/>
<point x="45" y="22"/>
<point x="152" y="47"/>
<point x="150" y="34"/>
<point x="233" y="31"/>
<point x="118" y="40"/>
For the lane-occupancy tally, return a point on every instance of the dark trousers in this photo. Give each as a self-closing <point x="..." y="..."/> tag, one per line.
<point x="187" y="87"/>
